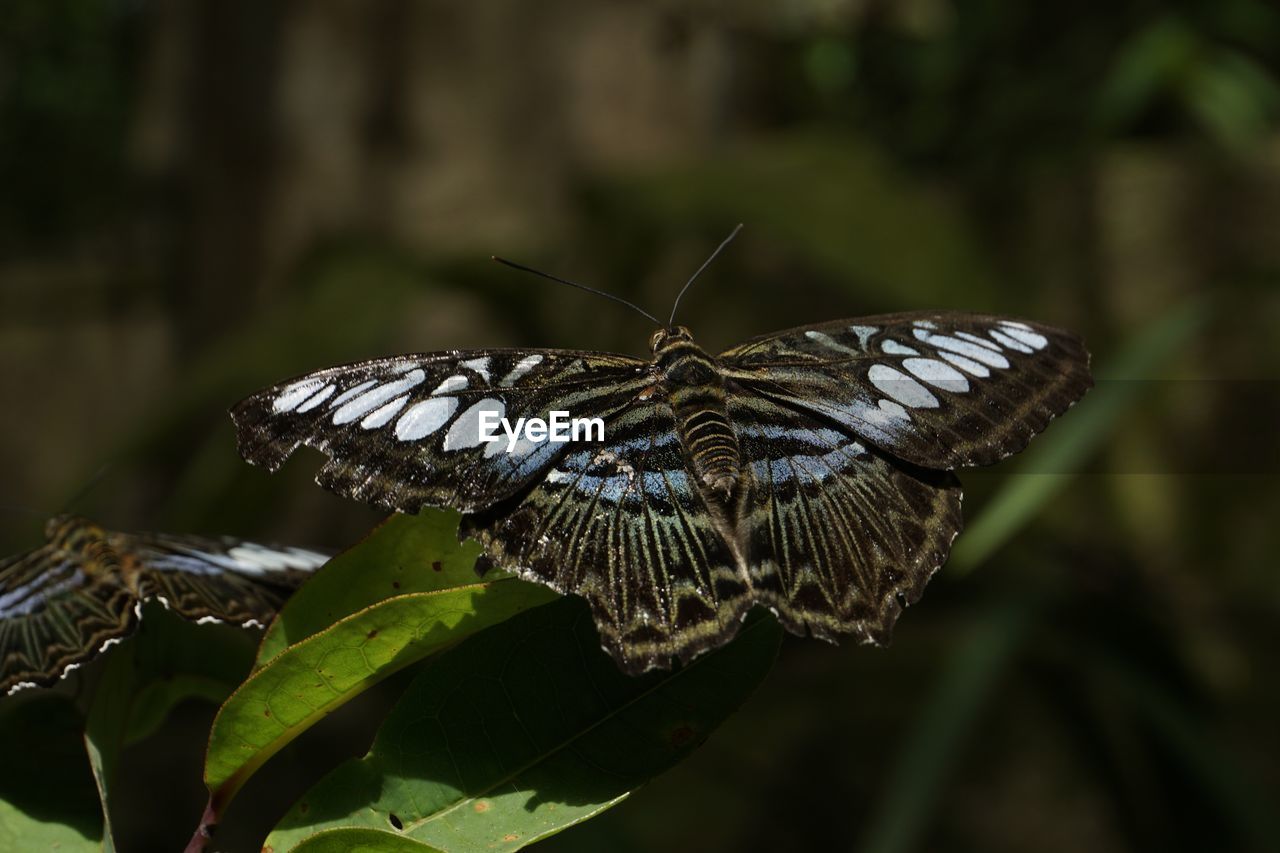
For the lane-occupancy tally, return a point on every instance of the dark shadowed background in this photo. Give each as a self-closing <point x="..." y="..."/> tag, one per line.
<point x="201" y="198"/>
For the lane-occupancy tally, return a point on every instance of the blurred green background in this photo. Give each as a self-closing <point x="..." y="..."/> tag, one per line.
<point x="200" y="198"/>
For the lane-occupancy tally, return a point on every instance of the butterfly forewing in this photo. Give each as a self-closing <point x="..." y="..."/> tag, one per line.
<point x="219" y="579"/>
<point x="937" y="390"/>
<point x="404" y="432"/>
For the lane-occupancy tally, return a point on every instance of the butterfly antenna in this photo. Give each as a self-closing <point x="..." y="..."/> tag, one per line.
<point x="630" y="305"/>
<point x="88" y="487"/>
<point x="705" y="264"/>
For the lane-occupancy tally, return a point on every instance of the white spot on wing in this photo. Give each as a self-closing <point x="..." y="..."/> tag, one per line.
<point x="319" y="397"/>
<point x="901" y="387"/>
<point x="982" y="342"/>
<point x="829" y="342"/>
<point x="380" y="417"/>
<point x="888" y="414"/>
<point x="422" y="419"/>
<point x="863" y="333"/>
<point x="291" y="396"/>
<point x="968" y="350"/>
<point x="465" y="431"/>
<point x="351" y="392"/>
<point x="966" y="364"/>
<point x="938" y="374"/>
<point x="246" y="558"/>
<point x="1026" y="334"/>
<point x="1010" y="343"/>
<point x="253" y="559"/>
<point x="892" y="347"/>
<point x="453" y="383"/>
<point x="523" y="446"/>
<point x="893" y="410"/>
<point x="375" y="397"/>
<point x="479" y="365"/>
<point x="523" y="366"/>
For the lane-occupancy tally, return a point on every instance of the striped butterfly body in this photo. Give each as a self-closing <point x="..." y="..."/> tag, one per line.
<point x="808" y="471"/>
<point x="83" y="590"/>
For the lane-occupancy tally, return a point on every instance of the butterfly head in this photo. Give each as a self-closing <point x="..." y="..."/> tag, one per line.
<point x="71" y="531"/>
<point x="664" y="339"/>
<point x="56" y="527"/>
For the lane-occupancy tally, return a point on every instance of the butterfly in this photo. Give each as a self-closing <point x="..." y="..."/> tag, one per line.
<point x="82" y="591"/>
<point x="809" y="471"/>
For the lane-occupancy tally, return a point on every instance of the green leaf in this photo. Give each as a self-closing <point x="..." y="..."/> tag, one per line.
<point x="176" y="659"/>
<point x="361" y="841"/>
<point x="404" y="554"/>
<point x="20" y="831"/>
<point x="1068" y="444"/>
<point x="153" y="702"/>
<point x="105" y="729"/>
<point x="47" y="796"/>
<point x="524" y="730"/>
<point x="310" y="679"/>
<point x="50" y="792"/>
<point x="168" y="660"/>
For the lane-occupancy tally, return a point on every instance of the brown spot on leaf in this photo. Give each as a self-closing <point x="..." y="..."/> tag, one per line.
<point x="481" y="806"/>
<point x="371" y="634"/>
<point x="266" y="712"/>
<point x="437" y="566"/>
<point x="395" y="584"/>
<point x="511" y="836"/>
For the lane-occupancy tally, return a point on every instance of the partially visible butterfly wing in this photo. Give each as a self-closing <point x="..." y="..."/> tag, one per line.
<point x="221" y="579"/>
<point x="620" y="523"/>
<point x="54" y="616"/>
<point x="404" y="433"/>
<point x="840" y="536"/>
<point x="937" y="390"/>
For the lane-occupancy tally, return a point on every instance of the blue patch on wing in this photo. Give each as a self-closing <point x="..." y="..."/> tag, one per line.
<point x="808" y="467"/>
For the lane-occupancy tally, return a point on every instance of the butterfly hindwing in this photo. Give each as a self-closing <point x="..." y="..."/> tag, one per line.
<point x="840" y="536"/>
<point x="54" y="615"/>
<point x="937" y="390"/>
<point x="404" y="433"/>
<point x="622" y="524"/>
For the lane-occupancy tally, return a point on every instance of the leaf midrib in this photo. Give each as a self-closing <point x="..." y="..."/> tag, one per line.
<point x="226" y="790"/>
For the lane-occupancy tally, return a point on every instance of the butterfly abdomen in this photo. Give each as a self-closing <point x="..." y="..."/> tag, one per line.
<point x="698" y="399"/>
